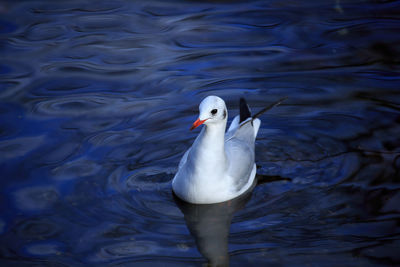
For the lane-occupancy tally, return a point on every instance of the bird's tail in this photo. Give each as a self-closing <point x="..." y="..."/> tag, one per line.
<point x="258" y="114"/>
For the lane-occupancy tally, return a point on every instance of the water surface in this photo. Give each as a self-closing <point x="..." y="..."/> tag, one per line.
<point x="96" y="100"/>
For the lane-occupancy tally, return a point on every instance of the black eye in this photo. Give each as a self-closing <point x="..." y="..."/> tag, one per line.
<point x="214" y="111"/>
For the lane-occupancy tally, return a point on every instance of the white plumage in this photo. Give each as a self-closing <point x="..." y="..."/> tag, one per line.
<point x="219" y="166"/>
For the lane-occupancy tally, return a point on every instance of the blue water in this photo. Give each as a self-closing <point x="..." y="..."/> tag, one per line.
<point x="96" y="99"/>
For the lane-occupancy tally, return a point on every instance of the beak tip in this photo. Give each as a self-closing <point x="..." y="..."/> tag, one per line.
<point x="197" y="123"/>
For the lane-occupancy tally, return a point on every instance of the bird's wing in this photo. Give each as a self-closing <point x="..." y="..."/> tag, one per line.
<point x="240" y="154"/>
<point x="232" y="128"/>
<point x="234" y="123"/>
<point x="184" y="158"/>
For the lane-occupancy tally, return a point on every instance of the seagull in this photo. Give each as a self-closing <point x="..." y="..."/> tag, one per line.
<point x="219" y="166"/>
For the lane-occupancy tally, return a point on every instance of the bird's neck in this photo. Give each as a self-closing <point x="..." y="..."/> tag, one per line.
<point x="212" y="144"/>
<point x="214" y="135"/>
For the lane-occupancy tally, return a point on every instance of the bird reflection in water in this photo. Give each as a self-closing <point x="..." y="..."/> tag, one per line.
<point x="209" y="224"/>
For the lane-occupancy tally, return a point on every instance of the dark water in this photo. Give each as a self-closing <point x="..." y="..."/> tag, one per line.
<point x="96" y="98"/>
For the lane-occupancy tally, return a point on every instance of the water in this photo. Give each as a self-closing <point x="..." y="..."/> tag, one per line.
<point x="96" y="100"/>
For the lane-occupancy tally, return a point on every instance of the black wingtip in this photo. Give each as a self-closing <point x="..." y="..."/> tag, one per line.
<point x="244" y="110"/>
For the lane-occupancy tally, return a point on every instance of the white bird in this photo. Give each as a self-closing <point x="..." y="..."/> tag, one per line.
<point x="219" y="166"/>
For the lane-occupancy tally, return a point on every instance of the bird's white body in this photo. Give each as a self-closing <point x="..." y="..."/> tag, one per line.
<point x="219" y="166"/>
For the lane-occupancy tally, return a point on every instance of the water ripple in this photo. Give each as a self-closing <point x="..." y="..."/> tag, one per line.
<point x="44" y="249"/>
<point x="128" y="249"/>
<point x="36" y="198"/>
<point x="37" y="228"/>
<point x="75" y="169"/>
<point x="87" y="68"/>
<point x="44" y="32"/>
<point x="19" y="147"/>
<point x="93" y="104"/>
<point x="66" y="8"/>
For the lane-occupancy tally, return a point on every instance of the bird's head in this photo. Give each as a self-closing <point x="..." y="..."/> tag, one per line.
<point x="212" y="110"/>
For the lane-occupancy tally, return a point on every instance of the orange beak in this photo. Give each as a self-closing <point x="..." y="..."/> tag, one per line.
<point x="197" y="123"/>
